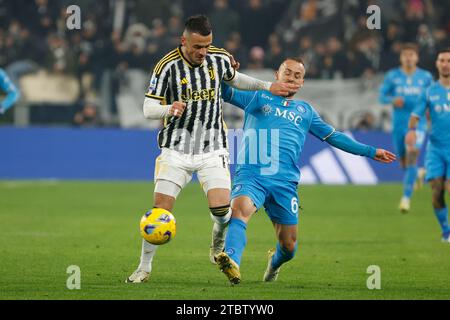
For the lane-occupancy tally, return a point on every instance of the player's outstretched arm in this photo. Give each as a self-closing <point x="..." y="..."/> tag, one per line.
<point x="345" y="143"/>
<point x="384" y="156"/>
<point x="325" y="132"/>
<point x="244" y="82"/>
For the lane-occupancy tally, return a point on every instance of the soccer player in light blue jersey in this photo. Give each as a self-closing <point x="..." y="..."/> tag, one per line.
<point x="12" y="93"/>
<point x="437" y="160"/>
<point x="267" y="172"/>
<point x="402" y="87"/>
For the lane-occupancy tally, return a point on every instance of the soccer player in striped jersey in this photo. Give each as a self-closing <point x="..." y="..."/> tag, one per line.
<point x="185" y="91"/>
<point x="402" y="87"/>
<point x="267" y="173"/>
<point x="12" y="93"/>
<point x="437" y="160"/>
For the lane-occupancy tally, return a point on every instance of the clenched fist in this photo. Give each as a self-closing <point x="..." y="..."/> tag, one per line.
<point x="177" y="109"/>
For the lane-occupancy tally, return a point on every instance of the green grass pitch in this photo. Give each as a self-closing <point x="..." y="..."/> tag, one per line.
<point x="48" y="226"/>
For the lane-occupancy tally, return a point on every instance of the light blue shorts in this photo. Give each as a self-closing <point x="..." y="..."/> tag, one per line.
<point x="437" y="162"/>
<point x="279" y="198"/>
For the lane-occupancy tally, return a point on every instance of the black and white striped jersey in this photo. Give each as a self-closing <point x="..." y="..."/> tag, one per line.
<point x="201" y="128"/>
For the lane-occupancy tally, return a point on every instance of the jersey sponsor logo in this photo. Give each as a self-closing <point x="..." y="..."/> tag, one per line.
<point x="409" y="90"/>
<point x="434" y="98"/>
<point x="265" y="96"/>
<point x="199" y="95"/>
<point x="442" y="108"/>
<point x="291" y="116"/>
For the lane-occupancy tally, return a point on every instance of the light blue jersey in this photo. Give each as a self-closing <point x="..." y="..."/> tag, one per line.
<point x="12" y="93"/>
<point x="275" y="128"/>
<point x="410" y="87"/>
<point x="275" y="131"/>
<point x="437" y="100"/>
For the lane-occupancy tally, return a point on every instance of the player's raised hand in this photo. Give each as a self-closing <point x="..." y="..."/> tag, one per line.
<point x="177" y="109"/>
<point x="234" y="63"/>
<point x="384" y="156"/>
<point x="283" y="89"/>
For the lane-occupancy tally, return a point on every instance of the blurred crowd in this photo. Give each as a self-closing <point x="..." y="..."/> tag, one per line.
<point x="118" y="35"/>
<point x="333" y="37"/>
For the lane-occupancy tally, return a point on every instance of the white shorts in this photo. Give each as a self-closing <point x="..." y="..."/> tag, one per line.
<point x="212" y="168"/>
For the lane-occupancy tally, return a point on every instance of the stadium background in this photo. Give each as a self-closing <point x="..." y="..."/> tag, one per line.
<point x="96" y="77"/>
<point x="80" y="118"/>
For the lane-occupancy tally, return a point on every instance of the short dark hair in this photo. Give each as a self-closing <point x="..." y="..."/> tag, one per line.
<point x="296" y="59"/>
<point x="198" y="24"/>
<point x="445" y="50"/>
<point x="410" y="46"/>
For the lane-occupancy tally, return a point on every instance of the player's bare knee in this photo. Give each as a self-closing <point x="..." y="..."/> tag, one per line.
<point x="218" y="197"/>
<point x="239" y="213"/>
<point x="163" y="201"/>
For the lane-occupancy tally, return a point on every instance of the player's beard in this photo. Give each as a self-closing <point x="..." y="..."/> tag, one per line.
<point x="291" y="94"/>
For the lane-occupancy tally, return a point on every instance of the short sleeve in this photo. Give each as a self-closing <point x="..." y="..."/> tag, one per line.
<point x="159" y="82"/>
<point x="229" y="71"/>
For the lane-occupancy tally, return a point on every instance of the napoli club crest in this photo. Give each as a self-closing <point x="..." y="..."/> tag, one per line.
<point x="301" y="109"/>
<point x="267" y="109"/>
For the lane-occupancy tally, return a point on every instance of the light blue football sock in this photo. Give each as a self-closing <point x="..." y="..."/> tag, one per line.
<point x="236" y="239"/>
<point x="408" y="181"/>
<point x="282" y="255"/>
<point x="442" y="216"/>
